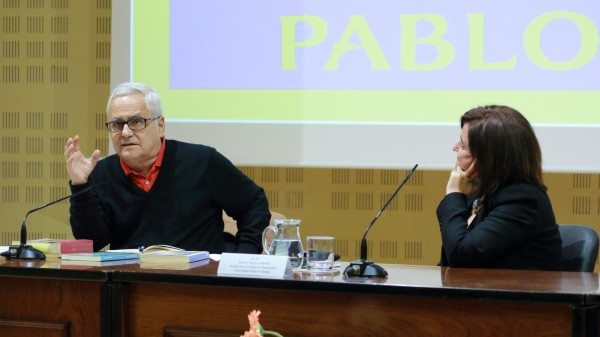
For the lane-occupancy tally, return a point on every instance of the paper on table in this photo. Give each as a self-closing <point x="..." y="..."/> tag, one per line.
<point x="126" y="250"/>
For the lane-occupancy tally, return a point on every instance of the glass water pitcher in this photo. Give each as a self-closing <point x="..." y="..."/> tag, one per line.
<point x="285" y="240"/>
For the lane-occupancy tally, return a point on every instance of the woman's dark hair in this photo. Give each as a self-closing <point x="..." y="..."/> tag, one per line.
<point x="505" y="147"/>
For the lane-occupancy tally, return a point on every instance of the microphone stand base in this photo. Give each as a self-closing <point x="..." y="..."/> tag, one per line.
<point x="25" y="252"/>
<point x="364" y="268"/>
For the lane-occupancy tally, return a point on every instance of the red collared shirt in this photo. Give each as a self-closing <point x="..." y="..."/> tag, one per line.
<point x="145" y="182"/>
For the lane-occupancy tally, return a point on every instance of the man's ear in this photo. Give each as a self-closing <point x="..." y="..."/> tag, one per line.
<point x="161" y="125"/>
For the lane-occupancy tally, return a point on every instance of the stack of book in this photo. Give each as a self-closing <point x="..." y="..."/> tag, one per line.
<point x="174" y="266"/>
<point x="167" y="256"/>
<point x="99" y="259"/>
<point x="157" y="256"/>
<point x="56" y="248"/>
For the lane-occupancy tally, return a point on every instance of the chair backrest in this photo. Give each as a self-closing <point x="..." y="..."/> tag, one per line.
<point x="580" y="247"/>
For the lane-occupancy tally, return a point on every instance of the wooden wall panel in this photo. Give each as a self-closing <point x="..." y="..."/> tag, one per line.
<point x="19" y="328"/>
<point x="53" y="314"/>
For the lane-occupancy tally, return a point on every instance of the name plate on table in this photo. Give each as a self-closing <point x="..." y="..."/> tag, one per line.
<point x="253" y="265"/>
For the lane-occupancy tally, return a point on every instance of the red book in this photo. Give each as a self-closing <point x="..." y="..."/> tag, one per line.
<point x="76" y="246"/>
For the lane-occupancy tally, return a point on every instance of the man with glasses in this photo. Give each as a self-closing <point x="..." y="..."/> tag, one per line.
<point x="159" y="191"/>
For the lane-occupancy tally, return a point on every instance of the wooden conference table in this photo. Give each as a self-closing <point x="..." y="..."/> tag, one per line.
<point x="43" y="298"/>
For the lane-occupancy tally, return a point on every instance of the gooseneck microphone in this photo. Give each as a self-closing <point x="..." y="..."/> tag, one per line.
<point x="365" y="267"/>
<point x="27" y="252"/>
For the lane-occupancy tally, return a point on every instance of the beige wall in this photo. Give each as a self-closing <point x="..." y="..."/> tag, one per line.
<point x="55" y="67"/>
<point x="342" y="202"/>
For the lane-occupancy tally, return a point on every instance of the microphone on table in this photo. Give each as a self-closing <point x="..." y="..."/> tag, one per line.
<point x="365" y="267"/>
<point x="27" y="252"/>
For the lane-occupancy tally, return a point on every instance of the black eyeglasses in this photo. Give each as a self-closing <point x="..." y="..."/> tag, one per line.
<point x="136" y="123"/>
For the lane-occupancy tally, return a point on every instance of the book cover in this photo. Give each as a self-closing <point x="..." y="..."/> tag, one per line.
<point x="184" y="256"/>
<point x="99" y="256"/>
<point x="80" y="263"/>
<point x="174" y="266"/>
<point x="76" y="246"/>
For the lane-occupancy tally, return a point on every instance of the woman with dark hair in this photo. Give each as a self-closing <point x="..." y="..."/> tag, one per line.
<point x="496" y="212"/>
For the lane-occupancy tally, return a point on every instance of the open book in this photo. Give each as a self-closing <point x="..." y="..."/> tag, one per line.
<point x="142" y="250"/>
<point x="165" y="254"/>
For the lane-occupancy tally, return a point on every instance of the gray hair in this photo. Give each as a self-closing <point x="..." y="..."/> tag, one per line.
<point x="151" y="97"/>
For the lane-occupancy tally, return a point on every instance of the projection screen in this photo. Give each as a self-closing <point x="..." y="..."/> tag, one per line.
<point x="374" y="84"/>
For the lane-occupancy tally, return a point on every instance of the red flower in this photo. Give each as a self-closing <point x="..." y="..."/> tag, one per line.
<point x="256" y="330"/>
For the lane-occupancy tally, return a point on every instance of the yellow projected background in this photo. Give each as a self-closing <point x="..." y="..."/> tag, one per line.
<point x="150" y="64"/>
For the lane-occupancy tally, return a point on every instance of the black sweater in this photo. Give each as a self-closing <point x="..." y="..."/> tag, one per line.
<point x="183" y="208"/>
<point x="515" y="229"/>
